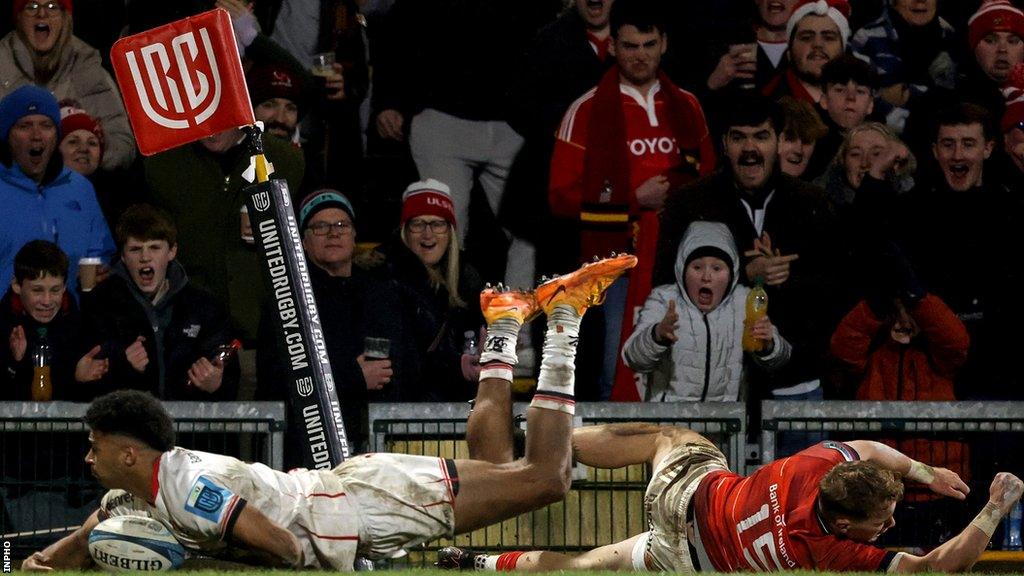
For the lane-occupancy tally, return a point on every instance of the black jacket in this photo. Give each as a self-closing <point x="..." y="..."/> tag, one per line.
<point x="800" y="221"/>
<point x="350" y="309"/>
<point x="435" y="327"/>
<point x="62" y="335"/>
<point x="187" y="323"/>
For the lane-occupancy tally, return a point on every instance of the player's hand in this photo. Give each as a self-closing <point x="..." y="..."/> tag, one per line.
<point x="1005" y="491"/>
<point x="948" y="483"/>
<point x="37" y="562"/>
<point x="206" y="375"/>
<point x="389" y="124"/>
<point x="136" y="355"/>
<point x="335" y="83"/>
<point x="18" y="343"/>
<point x="90" y="368"/>
<point x="376" y="373"/>
<point x="653" y="192"/>
<point x="665" y="331"/>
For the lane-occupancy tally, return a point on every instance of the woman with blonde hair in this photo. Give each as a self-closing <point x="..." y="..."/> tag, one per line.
<point x="439" y="292"/>
<point x="871" y="154"/>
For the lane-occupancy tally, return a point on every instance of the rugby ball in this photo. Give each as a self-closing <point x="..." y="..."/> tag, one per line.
<point x="134" y="544"/>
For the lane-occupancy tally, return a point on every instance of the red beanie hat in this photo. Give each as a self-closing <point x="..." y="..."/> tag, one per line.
<point x="72" y="119"/>
<point x="994" y="16"/>
<point x="19" y="5"/>
<point x="428" y="197"/>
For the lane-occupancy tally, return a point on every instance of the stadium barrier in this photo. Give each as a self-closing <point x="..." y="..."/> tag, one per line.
<point x="46" y="489"/>
<point x="974" y="439"/>
<point x="603" y="506"/>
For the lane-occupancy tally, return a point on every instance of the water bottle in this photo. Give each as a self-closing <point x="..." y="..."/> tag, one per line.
<point x="42" y="384"/>
<point x="1011" y="529"/>
<point x="469" y="346"/>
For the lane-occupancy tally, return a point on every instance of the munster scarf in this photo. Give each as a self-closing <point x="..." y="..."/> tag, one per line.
<point x="609" y="206"/>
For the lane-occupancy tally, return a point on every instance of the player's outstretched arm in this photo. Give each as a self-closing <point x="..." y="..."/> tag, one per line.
<point x="961" y="552"/>
<point x="939" y="480"/>
<point x="276" y="546"/>
<point x="70" y="552"/>
<point x="628" y="443"/>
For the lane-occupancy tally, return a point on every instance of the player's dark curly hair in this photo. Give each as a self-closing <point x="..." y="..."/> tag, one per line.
<point x="135" y="414"/>
<point x="857" y="490"/>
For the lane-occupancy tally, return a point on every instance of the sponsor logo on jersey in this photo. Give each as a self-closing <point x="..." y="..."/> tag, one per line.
<point x="207" y="500"/>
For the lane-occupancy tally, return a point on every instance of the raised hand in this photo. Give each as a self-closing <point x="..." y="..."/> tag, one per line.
<point x="89" y="368"/>
<point x="137" y="355"/>
<point x="665" y="331"/>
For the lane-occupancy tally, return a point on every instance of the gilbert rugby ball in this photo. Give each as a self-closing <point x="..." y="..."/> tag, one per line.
<point x="134" y="544"/>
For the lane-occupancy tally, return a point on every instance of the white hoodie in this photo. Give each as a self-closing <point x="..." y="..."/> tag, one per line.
<point x="706" y="361"/>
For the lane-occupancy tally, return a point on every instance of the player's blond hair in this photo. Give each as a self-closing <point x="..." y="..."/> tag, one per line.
<point x="857" y="490"/>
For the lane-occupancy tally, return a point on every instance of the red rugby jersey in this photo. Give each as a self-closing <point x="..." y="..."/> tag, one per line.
<point x="767" y="521"/>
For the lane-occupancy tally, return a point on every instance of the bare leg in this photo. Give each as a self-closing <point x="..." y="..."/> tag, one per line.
<point x="492" y="492"/>
<point x="489" y="428"/>
<point x="628" y="443"/>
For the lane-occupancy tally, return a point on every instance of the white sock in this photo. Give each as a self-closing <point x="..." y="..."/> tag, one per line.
<point x="556" y="384"/>
<point x="498" y="355"/>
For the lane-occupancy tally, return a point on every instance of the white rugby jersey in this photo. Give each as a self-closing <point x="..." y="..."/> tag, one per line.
<point x="199" y="495"/>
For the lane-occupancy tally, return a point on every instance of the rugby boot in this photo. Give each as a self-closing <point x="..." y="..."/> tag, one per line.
<point x="455" y="558"/>
<point x="500" y="302"/>
<point x="584" y="287"/>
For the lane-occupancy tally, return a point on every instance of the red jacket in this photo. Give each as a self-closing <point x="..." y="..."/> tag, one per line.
<point x="921" y="370"/>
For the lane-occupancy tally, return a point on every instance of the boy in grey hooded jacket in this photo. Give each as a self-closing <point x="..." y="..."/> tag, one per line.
<point x="688" y="338"/>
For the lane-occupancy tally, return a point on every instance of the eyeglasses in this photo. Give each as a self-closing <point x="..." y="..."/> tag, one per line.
<point x="325" y="228"/>
<point x="33" y="7"/>
<point x="436" y="226"/>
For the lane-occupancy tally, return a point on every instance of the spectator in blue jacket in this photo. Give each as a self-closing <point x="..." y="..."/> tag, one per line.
<point x="42" y="199"/>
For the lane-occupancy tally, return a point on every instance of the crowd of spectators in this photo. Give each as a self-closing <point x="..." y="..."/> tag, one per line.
<point x="862" y="159"/>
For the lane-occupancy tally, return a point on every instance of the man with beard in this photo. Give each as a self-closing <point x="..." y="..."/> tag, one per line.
<point x="781" y="226"/>
<point x="817" y="33"/>
<point x="276" y="95"/>
<point x="756" y="63"/>
<point x="621" y="148"/>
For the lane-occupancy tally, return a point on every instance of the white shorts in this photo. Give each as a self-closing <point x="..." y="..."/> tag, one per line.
<point x="668" y="496"/>
<point x="402" y="500"/>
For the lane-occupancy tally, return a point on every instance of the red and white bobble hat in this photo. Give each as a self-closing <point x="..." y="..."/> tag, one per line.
<point x="837" y="10"/>
<point x="428" y="197"/>
<point x="994" y="16"/>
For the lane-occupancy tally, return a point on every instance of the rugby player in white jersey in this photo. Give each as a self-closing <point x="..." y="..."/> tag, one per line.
<point x="371" y="505"/>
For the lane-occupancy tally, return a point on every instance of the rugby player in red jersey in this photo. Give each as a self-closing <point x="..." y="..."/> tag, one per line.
<point x="820" y="509"/>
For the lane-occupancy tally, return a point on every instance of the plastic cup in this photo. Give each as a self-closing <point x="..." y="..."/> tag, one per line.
<point x="376" y="348"/>
<point x="87" y="268"/>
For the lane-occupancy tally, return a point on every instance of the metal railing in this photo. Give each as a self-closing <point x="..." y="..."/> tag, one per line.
<point x="603" y="506"/>
<point x="47" y="490"/>
<point x="974" y="439"/>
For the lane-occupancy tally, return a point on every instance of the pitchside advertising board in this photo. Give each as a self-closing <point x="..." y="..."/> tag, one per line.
<point x="181" y="82"/>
